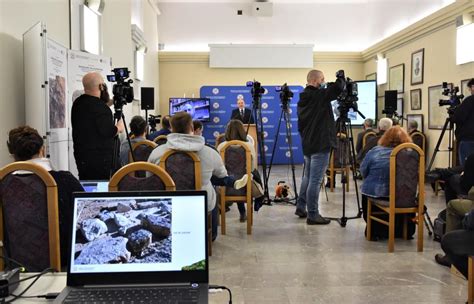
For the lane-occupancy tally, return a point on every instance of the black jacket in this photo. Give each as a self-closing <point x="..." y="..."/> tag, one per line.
<point x="247" y="116"/>
<point x="467" y="179"/>
<point x="360" y="138"/>
<point x="93" y="128"/>
<point x="316" y="119"/>
<point x="464" y="119"/>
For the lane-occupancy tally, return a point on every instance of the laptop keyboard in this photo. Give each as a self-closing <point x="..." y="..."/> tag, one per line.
<point x="172" y="295"/>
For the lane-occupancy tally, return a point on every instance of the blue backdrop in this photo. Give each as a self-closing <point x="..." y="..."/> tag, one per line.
<point x="224" y="100"/>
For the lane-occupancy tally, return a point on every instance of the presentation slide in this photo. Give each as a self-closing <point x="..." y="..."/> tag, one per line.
<point x="145" y="234"/>
<point x="367" y="102"/>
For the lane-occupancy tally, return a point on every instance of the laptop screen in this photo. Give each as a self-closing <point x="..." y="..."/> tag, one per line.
<point x="139" y="232"/>
<point x="95" y="186"/>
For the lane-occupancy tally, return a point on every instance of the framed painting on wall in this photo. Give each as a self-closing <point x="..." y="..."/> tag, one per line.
<point x="400" y="110"/>
<point x="415" y="99"/>
<point x="372" y="76"/>
<point x="397" y="78"/>
<point x="436" y="114"/>
<point x="418" y="118"/>
<point x="417" y="64"/>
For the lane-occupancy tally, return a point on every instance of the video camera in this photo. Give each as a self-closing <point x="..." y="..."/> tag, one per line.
<point x="122" y="90"/>
<point x="348" y="98"/>
<point x="285" y="95"/>
<point x="257" y="89"/>
<point x="454" y="98"/>
<point x="153" y="120"/>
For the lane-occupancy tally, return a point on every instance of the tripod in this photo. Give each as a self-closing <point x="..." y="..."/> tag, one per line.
<point x="448" y="125"/>
<point x="257" y="114"/>
<point x="346" y="151"/>
<point x="115" y="156"/>
<point x="286" y="116"/>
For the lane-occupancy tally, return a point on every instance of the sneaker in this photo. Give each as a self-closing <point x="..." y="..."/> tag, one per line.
<point x="243" y="217"/>
<point x="242" y="182"/>
<point x="442" y="260"/>
<point x="301" y="213"/>
<point x="319" y="220"/>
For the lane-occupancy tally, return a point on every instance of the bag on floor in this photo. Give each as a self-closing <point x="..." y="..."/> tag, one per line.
<point x="439" y="226"/>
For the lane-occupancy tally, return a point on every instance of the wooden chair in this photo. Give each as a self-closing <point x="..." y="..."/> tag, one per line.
<point x="407" y="175"/>
<point x="366" y="137"/>
<point x="470" y="281"/>
<point x="185" y="169"/>
<point x="335" y="162"/>
<point x="160" y="140"/>
<point x="124" y="179"/>
<point x="238" y="161"/>
<point x="220" y="139"/>
<point x="419" y="139"/>
<point x="29" y="216"/>
<point x="141" y="150"/>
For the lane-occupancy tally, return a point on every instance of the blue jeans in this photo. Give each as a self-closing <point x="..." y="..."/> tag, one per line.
<point x="466" y="148"/>
<point x="315" y="166"/>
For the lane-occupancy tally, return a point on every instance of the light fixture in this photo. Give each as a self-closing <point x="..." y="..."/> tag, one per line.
<point x="382" y="64"/>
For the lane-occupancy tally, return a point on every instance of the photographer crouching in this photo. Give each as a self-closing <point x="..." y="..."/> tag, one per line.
<point x="318" y="133"/>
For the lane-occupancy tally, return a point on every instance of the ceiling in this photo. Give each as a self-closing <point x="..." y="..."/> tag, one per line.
<point x="331" y="25"/>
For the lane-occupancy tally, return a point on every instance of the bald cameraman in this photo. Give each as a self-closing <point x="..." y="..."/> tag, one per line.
<point x="317" y="128"/>
<point x="463" y="117"/>
<point x="93" y="129"/>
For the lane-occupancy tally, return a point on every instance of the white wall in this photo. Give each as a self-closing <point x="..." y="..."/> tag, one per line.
<point x="16" y="17"/>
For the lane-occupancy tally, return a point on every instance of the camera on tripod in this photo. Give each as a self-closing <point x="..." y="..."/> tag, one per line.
<point x="153" y="120"/>
<point x="454" y="98"/>
<point x="257" y="88"/>
<point x="122" y="90"/>
<point x="285" y="94"/>
<point x="348" y="98"/>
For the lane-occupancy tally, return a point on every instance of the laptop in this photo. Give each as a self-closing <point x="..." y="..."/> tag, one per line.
<point x="138" y="247"/>
<point x="95" y="186"/>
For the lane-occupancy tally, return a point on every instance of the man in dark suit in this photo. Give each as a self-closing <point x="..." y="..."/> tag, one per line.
<point x="242" y="113"/>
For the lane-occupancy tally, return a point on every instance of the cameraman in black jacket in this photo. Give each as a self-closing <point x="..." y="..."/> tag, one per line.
<point x="318" y="132"/>
<point x="463" y="117"/>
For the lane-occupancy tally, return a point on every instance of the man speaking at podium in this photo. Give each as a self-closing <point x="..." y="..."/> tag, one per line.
<point x="242" y="113"/>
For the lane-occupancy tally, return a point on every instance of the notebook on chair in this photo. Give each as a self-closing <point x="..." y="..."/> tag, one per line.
<point x="138" y="246"/>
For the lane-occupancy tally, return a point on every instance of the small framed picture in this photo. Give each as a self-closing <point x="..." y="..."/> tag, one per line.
<point x="436" y="114"/>
<point x="397" y="78"/>
<point x="400" y="109"/>
<point x="372" y="76"/>
<point x="463" y="89"/>
<point x="417" y="64"/>
<point x="418" y="118"/>
<point x="415" y="99"/>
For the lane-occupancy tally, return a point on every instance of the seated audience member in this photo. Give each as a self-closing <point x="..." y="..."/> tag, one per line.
<point x="25" y="144"/>
<point x="412" y="127"/>
<point x="384" y="125"/>
<point x="165" y="128"/>
<point x="459" y="245"/>
<point x="368" y="127"/>
<point x="458" y="180"/>
<point x="137" y="133"/>
<point x="182" y="138"/>
<point x="455" y="214"/>
<point x="235" y="131"/>
<point x="198" y="127"/>
<point x="375" y="170"/>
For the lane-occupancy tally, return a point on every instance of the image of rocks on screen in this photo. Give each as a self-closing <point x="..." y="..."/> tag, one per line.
<point x="57" y="102"/>
<point x="123" y="231"/>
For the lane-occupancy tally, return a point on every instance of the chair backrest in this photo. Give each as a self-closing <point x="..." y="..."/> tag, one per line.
<point x="237" y="159"/>
<point x="29" y="216"/>
<point x="141" y="150"/>
<point x="366" y="137"/>
<point x="184" y="167"/>
<point x="160" y="140"/>
<point x="220" y="139"/>
<point x="124" y="179"/>
<point x="419" y="139"/>
<point x="407" y="168"/>
<point x="336" y="158"/>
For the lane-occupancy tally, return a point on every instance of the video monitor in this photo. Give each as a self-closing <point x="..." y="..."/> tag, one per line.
<point x="367" y="102"/>
<point x="199" y="108"/>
